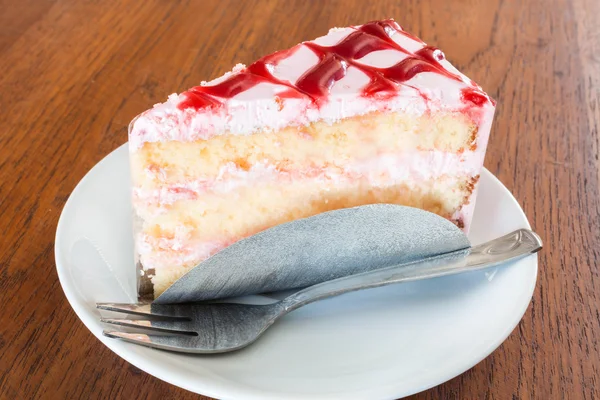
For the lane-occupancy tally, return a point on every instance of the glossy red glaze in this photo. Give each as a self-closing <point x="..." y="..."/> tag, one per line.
<point x="333" y="64"/>
<point x="473" y="96"/>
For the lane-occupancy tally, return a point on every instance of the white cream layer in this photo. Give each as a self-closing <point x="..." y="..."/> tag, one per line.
<point x="385" y="170"/>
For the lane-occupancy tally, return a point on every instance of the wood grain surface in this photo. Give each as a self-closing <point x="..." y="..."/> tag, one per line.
<point x="74" y="73"/>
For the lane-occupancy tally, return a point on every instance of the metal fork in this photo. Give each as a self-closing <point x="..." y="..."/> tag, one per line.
<point x="223" y="327"/>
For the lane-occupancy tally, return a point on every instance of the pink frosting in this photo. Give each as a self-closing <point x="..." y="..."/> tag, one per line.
<point x="266" y="104"/>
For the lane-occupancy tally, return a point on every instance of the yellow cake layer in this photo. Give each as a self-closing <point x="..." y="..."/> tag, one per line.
<point x="254" y="208"/>
<point x="226" y="219"/>
<point x="318" y="144"/>
<point x="164" y="278"/>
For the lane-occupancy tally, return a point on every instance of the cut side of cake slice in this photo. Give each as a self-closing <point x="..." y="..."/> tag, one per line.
<point x="366" y="114"/>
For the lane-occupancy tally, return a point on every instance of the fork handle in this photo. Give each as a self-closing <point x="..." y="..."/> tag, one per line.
<point x="513" y="246"/>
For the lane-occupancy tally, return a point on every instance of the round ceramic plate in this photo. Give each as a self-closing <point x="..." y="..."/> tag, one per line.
<point x="380" y="343"/>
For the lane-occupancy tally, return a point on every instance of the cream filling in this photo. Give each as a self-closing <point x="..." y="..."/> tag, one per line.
<point x="384" y="170"/>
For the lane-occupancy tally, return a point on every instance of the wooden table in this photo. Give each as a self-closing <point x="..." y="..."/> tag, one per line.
<point x="74" y="73"/>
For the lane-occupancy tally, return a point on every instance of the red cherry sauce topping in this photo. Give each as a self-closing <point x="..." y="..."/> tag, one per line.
<point x="333" y="64"/>
<point x="473" y="96"/>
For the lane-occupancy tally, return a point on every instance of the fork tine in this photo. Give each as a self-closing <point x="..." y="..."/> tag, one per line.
<point x="158" y="326"/>
<point x="138" y="338"/>
<point x="172" y="343"/>
<point x="143" y="309"/>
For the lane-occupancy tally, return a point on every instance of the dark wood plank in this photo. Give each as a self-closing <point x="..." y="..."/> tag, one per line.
<point x="74" y="73"/>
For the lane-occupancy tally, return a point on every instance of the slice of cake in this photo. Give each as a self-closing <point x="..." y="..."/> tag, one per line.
<point x="366" y="114"/>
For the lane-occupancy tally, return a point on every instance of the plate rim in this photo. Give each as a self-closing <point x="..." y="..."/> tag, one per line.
<point x="217" y="390"/>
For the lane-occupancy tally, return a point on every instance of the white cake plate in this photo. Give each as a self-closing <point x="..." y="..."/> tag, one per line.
<point x="377" y="344"/>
